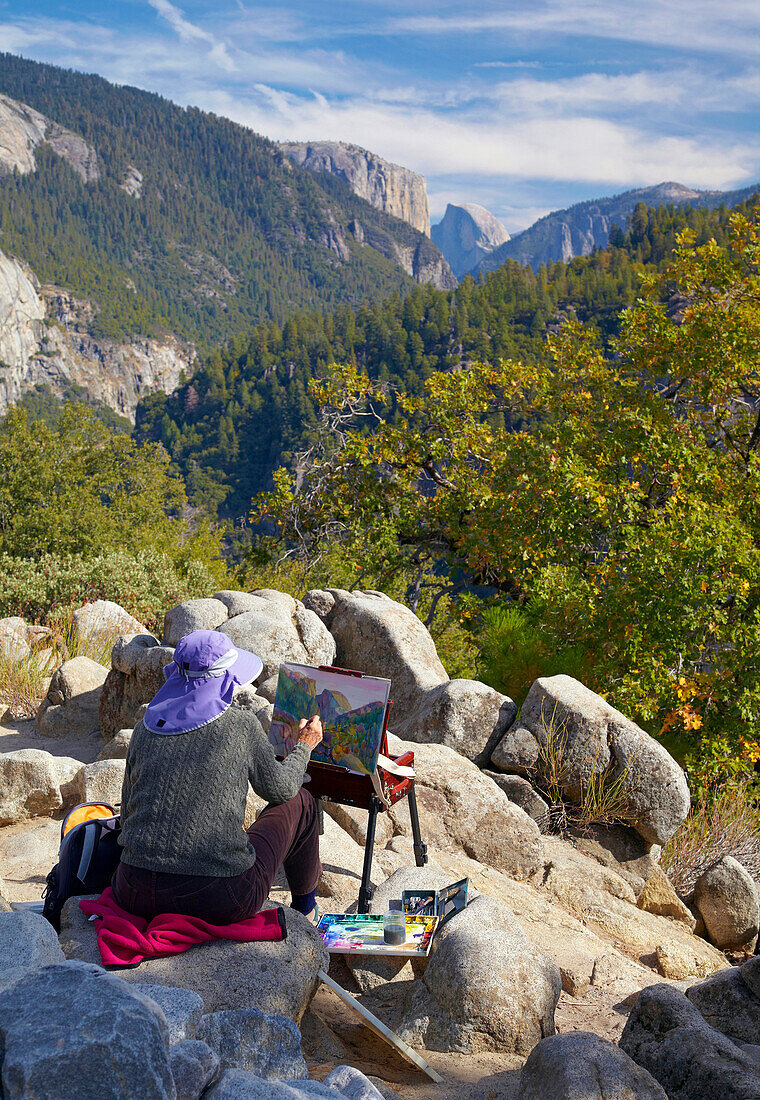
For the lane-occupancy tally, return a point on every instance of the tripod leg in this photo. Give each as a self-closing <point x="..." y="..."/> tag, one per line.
<point x="366" y="890"/>
<point x="420" y="849"/>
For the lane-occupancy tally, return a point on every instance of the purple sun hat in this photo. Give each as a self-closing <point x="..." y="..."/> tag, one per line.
<point x="200" y="682"/>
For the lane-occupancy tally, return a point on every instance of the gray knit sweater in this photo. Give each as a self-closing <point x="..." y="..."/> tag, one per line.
<point x="183" y="798"/>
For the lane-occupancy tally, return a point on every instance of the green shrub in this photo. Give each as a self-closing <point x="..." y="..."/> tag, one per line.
<point x="515" y="651"/>
<point x="145" y="584"/>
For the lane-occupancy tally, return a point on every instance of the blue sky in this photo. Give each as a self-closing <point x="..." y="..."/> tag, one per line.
<point x="522" y="107"/>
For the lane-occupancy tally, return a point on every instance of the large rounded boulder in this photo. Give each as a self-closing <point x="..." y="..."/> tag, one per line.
<point x="568" y="729"/>
<point x="486" y="987"/>
<point x="279" y="628"/>
<point x="377" y="635"/>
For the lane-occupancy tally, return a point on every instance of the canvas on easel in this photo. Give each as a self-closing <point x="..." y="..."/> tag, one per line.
<point x="352" y="708"/>
<point x="351" y="766"/>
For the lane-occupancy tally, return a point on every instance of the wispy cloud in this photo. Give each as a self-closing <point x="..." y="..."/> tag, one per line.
<point x="189" y="32"/>
<point x="730" y="27"/>
<point x="569" y="148"/>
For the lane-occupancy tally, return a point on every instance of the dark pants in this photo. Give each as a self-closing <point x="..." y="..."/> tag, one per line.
<point x="286" y="835"/>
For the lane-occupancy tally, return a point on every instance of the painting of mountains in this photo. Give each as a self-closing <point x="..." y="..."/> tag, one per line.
<point x="352" y="709"/>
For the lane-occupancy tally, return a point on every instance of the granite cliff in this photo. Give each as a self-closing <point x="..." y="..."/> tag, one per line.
<point x="44" y="341"/>
<point x="579" y="229"/>
<point x="387" y="187"/>
<point x="467" y="234"/>
<point x="23" y="130"/>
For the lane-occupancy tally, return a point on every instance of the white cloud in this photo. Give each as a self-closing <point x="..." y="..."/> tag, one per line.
<point x="189" y="32"/>
<point x="574" y="147"/>
<point x="493" y="132"/>
<point x="730" y="27"/>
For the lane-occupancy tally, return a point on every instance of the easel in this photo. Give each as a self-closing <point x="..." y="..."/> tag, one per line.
<point x="376" y="793"/>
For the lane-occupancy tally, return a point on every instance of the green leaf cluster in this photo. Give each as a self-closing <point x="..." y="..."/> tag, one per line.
<point x="78" y="488"/>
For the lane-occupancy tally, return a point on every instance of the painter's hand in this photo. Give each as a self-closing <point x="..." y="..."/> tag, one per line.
<point x="310" y="732"/>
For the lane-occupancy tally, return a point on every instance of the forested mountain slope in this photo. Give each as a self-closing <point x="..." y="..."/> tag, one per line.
<point x="247" y="409"/>
<point x="187" y="223"/>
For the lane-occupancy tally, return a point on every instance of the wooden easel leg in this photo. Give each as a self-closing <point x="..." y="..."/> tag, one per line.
<point x="320" y="816"/>
<point x="366" y="890"/>
<point x="420" y="849"/>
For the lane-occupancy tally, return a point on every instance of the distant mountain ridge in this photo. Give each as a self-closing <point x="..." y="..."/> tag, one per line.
<point x="581" y="228"/>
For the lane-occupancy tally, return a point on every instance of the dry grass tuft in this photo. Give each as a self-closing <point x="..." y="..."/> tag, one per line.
<point x="723" y="822"/>
<point x="602" y="800"/>
<point x="24" y="681"/>
<point x="68" y="642"/>
<point x="23" y="684"/>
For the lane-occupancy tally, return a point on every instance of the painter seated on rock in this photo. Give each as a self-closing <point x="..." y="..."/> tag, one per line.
<point x="190" y="759"/>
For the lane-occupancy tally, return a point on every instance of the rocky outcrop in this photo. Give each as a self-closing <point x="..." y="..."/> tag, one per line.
<point x="22" y="315"/>
<point x="27" y="941"/>
<point x="467" y="234"/>
<point x="132" y="182"/>
<point x="423" y="262"/>
<point x="387" y="187"/>
<point x="23" y="130"/>
<point x="100" y="781"/>
<point x="203" y="614"/>
<point x="265" y="1044"/>
<point x="691" y="1060"/>
<point x="561" y="720"/>
<point x="44" y="342"/>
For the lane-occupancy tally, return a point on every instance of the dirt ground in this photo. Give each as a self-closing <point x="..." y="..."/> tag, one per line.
<point x="22" y="735"/>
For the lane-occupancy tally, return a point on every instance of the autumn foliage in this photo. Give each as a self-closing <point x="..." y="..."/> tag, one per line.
<point x="610" y="495"/>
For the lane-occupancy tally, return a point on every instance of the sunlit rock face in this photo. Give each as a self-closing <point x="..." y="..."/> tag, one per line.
<point x="467" y="234"/>
<point x="23" y="130"/>
<point x="388" y="187"/>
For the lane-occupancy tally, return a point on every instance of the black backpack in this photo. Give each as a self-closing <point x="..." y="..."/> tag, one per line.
<point x="87" y="859"/>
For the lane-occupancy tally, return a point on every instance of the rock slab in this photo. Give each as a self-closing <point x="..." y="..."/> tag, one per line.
<point x="73" y="1030"/>
<point x="691" y="1060"/>
<point x="582" y="1065"/>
